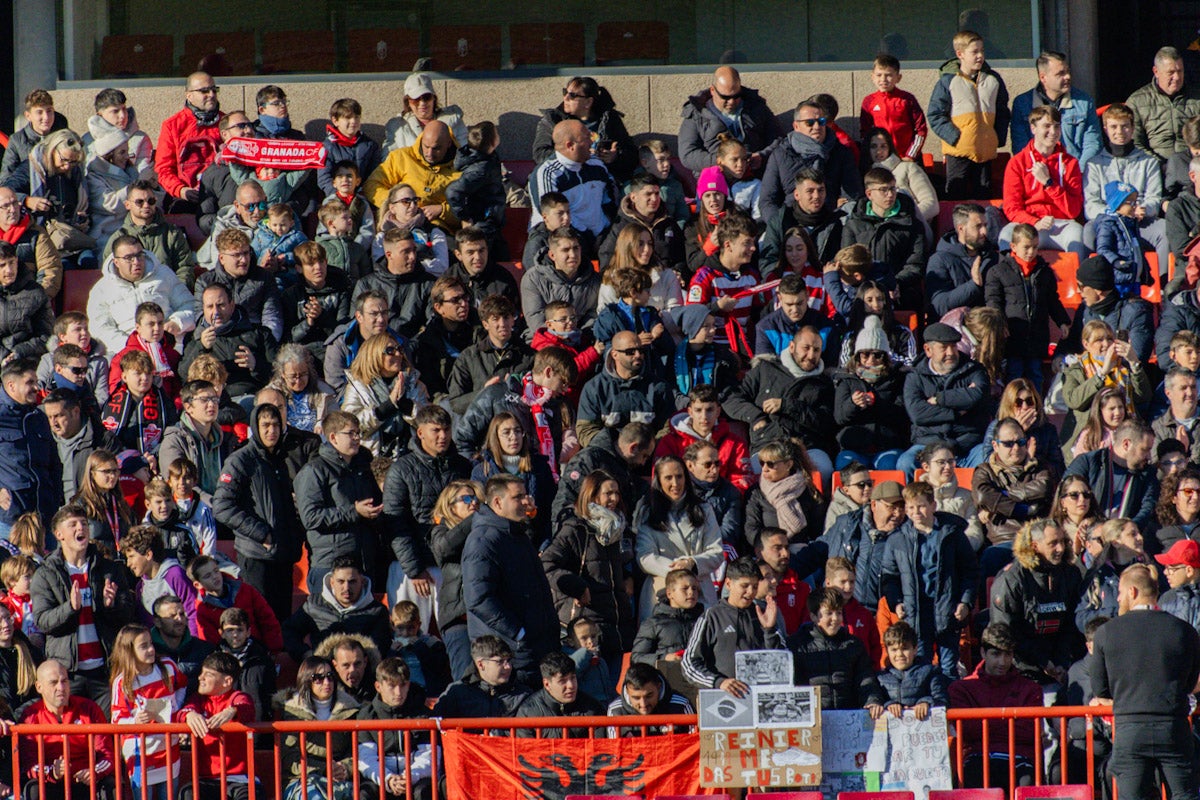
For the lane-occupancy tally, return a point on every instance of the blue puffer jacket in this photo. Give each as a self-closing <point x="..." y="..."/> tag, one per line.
<point x="1183" y="602"/>
<point x="920" y="683"/>
<point x="957" y="571"/>
<point x="853" y="536"/>
<point x="962" y="410"/>
<point x="1080" y="125"/>
<point x="29" y="466"/>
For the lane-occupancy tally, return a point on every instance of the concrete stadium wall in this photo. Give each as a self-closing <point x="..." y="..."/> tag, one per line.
<point x="650" y="100"/>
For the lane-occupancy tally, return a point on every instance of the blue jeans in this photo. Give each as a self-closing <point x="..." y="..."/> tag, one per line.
<point x="946" y="646"/>
<point x="885" y="459"/>
<point x="458" y="649"/>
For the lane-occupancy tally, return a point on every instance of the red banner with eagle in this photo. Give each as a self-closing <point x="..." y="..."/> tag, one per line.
<point x="506" y="768"/>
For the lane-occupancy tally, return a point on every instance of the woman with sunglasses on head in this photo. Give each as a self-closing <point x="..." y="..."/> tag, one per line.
<point x="939" y="465"/>
<point x="384" y="392"/>
<point x="452" y="514"/>
<point x="1178" y="510"/>
<point x="52" y="182"/>
<point x="588" y="102"/>
<point x="1074" y="511"/>
<point x="318" y="697"/>
<point x="1021" y="401"/>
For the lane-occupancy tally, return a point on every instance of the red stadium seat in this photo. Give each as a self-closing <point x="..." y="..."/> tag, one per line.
<point x="1071" y="791"/>
<point x="967" y="794"/>
<point x="875" y="796"/>
<point x="382" y="49"/>
<point x="137" y="55"/>
<point x="298" y="51"/>
<point x="546" y="43"/>
<point x="234" y="50"/>
<point x="465" y="47"/>
<point x="77" y="285"/>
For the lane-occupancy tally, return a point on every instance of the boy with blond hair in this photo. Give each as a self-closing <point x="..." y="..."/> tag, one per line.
<point x="968" y="110"/>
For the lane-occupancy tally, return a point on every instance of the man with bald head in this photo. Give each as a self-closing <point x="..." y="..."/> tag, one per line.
<point x="726" y="107"/>
<point x="428" y="167"/>
<point x="248" y="209"/>
<point x="189" y="140"/>
<point x="628" y="389"/>
<point x="57" y="706"/>
<point x="577" y="173"/>
<point x="35" y="251"/>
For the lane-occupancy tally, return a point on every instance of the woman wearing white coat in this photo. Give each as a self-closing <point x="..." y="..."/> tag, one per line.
<point x="676" y="530"/>
<point x="910" y="176"/>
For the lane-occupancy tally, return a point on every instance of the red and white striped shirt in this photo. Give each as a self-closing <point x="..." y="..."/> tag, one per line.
<point x="710" y="283"/>
<point x="89" y="652"/>
<point x="162" y="698"/>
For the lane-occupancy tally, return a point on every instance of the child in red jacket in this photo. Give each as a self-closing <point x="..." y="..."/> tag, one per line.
<point x="216" y="591"/>
<point x="216" y="703"/>
<point x="562" y="330"/>
<point x="894" y="110"/>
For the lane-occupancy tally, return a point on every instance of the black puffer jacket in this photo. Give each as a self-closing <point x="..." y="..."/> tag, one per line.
<point x="701" y="127"/>
<point x="897" y="240"/>
<point x="481" y="362"/>
<point x="326" y="490"/>
<point x="825" y="228"/>
<point x="478" y="196"/>
<point x="601" y="453"/>
<point x="505" y="590"/>
<point x="447" y="544"/>
<point x="50" y="593"/>
<point x="961" y="413"/>
<point x="541" y="704"/>
<point x="239" y="331"/>
<point x="576" y="562"/>
<point x="664" y="632"/>
<point x="26" y="320"/>
<point x="322" y="616"/>
<point x="883" y="425"/>
<point x="668" y="239"/>
<point x="607" y="124"/>
<point x="410" y="492"/>
<point x="493" y="279"/>
<point x="254" y="499"/>
<point x="807" y="410"/>
<point x="255" y="293"/>
<point x="334" y="298"/>
<point x="839" y="664"/>
<point x="471" y="698"/>
<point x="436" y="349"/>
<point x="1027" y="303"/>
<point x="407" y="297"/>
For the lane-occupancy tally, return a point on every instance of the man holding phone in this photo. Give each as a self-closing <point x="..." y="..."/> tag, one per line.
<point x="1131" y="316"/>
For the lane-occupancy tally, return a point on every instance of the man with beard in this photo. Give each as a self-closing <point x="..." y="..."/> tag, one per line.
<point x="1145" y="665"/>
<point x="806" y="210"/>
<point x="954" y="277"/>
<point x="1036" y="597"/>
<point x="1124" y="482"/>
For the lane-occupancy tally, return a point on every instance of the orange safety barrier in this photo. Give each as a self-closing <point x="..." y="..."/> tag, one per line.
<point x="266" y="777"/>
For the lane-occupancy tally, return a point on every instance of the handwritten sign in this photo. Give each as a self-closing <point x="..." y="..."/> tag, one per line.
<point x="853" y="742"/>
<point x="786" y="754"/>
<point x="918" y="754"/>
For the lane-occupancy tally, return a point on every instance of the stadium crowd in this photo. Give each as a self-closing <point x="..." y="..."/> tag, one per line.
<point x="779" y="413"/>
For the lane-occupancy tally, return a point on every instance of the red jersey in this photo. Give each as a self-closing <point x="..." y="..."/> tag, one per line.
<point x="208" y="750"/>
<point x="861" y="622"/>
<point x="78" y="711"/>
<point x="898" y="113"/>
<point x="791" y="595"/>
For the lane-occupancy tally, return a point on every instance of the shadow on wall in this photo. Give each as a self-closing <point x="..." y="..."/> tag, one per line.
<point x="517" y="129"/>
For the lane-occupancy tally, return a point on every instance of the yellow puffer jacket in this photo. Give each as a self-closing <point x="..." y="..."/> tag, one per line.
<point x="408" y="165"/>
<point x="970" y="116"/>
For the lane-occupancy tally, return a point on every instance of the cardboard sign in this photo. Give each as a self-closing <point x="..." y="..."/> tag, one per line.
<point x="779" y="745"/>
<point x="918" y="754"/>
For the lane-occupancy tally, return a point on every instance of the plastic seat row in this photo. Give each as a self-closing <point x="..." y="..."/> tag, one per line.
<point x="452" y="48"/>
